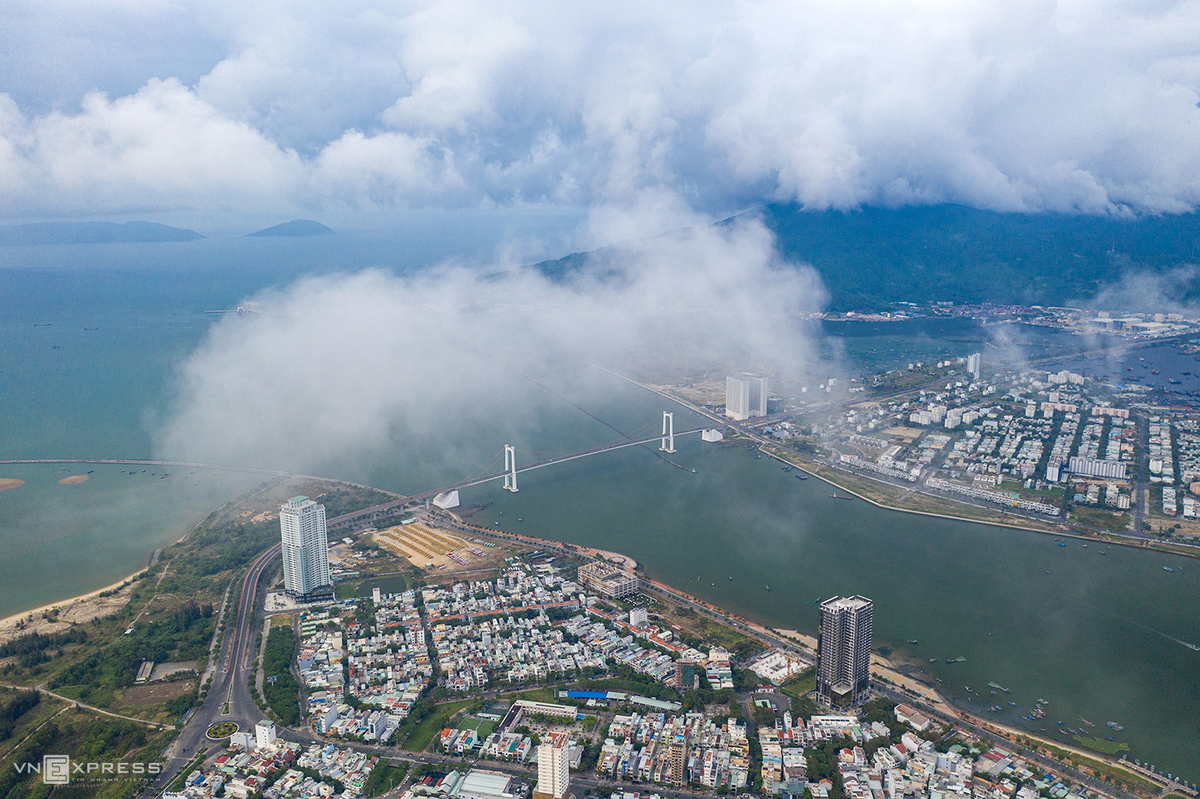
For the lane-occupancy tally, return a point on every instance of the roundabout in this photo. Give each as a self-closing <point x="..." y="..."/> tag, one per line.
<point x="222" y="729"/>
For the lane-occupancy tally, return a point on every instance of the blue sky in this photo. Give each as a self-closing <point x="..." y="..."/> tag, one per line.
<point x="633" y="116"/>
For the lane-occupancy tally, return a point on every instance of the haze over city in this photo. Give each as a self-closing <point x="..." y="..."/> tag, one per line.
<point x="459" y="400"/>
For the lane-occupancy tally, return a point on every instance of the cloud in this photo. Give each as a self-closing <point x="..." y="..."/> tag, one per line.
<point x="162" y="146"/>
<point x="1025" y="105"/>
<point x="354" y="368"/>
<point x="1139" y="291"/>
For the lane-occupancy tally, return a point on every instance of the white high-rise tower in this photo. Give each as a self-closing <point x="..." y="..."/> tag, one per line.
<point x="746" y="396"/>
<point x="737" y="399"/>
<point x="305" y="549"/>
<point x="554" y="767"/>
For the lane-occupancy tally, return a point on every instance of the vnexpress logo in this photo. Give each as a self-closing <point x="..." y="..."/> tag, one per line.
<point x="56" y="769"/>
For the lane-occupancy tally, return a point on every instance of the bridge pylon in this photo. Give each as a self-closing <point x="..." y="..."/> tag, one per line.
<point x="668" y="432"/>
<point x="510" y="468"/>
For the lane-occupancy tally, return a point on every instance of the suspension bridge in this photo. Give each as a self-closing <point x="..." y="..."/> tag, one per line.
<point x="640" y="438"/>
<point x="665" y="439"/>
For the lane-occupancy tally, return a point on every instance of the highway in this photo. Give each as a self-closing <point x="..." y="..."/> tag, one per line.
<point x="229" y="697"/>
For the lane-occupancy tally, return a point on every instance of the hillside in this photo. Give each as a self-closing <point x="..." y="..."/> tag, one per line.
<point x="872" y="257"/>
<point x="294" y="229"/>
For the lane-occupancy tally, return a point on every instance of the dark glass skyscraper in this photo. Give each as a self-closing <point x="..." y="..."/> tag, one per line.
<point x="844" y="651"/>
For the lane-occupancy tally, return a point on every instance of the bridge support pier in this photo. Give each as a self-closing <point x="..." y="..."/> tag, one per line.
<point x="668" y="432"/>
<point x="510" y="468"/>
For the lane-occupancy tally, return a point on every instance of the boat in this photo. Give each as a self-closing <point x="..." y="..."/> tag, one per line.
<point x="995" y="708"/>
<point x="731" y="579"/>
<point x="1102" y="552"/>
<point x="999" y="687"/>
<point x="1012" y="704"/>
<point x="1174" y="381"/>
<point x="767" y="587"/>
<point x="914" y="642"/>
<point x="959" y="659"/>
<point x="1061" y="544"/>
<point x="1168" y="569"/>
<point x="839" y="496"/>
<point x="933" y="660"/>
<point x="1115" y="726"/>
<point x="801" y="476"/>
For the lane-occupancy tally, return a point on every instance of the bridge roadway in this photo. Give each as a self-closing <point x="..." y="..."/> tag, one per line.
<point x="372" y="511"/>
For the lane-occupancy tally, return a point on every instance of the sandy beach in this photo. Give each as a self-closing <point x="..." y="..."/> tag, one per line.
<point x="73" y="480"/>
<point x="9" y="483"/>
<point x="74" y="610"/>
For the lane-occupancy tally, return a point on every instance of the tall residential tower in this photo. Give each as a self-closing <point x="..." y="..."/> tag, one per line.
<point x="305" y="549"/>
<point x="844" y="651"/>
<point x="554" y="767"/>
<point x="745" y="397"/>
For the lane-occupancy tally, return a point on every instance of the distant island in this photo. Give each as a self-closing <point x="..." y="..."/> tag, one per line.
<point x="93" y="233"/>
<point x="294" y="229"/>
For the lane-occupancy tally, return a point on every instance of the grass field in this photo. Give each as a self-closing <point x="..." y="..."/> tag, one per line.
<point x="1102" y="745"/>
<point x="1099" y="767"/>
<point x="483" y="727"/>
<point x="420" y="738"/>
<point x="536" y="695"/>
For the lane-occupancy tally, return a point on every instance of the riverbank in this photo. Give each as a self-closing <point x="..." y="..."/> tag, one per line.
<point x="1116" y="539"/>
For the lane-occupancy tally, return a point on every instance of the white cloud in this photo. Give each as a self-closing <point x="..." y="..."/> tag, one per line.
<point x="1011" y="105"/>
<point x="370" y="364"/>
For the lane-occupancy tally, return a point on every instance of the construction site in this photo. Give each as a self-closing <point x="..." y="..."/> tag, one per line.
<point x="435" y="549"/>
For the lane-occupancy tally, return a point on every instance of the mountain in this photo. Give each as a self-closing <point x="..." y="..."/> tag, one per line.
<point x="93" y="233"/>
<point x="872" y="257"/>
<point x="294" y="229"/>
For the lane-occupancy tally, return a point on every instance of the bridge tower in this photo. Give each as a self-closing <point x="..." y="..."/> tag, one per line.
<point x="510" y="468"/>
<point x="668" y="433"/>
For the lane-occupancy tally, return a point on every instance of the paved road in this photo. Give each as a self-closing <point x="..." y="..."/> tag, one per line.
<point x="229" y="696"/>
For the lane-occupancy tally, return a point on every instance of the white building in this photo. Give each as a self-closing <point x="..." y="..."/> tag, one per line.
<point x="264" y="734"/>
<point x="554" y="767"/>
<point x="974" y="364"/>
<point x="737" y="399"/>
<point x="305" y="548"/>
<point x="1095" y="467"/>
<point x="638" y="618"/>
<point x="745" y="397"/>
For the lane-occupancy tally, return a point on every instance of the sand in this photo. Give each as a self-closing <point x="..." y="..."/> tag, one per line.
<point x="9" y="483"/>
<point x="74" y="480"/>
<point x="77" y="610"/>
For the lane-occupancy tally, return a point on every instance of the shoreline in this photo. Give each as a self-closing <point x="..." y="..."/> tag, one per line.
<point x="63" y="604"/>
<point x="1121" y="540"/>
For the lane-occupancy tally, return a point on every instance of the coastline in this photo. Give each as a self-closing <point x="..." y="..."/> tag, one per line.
<point x="9" y="623"/>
